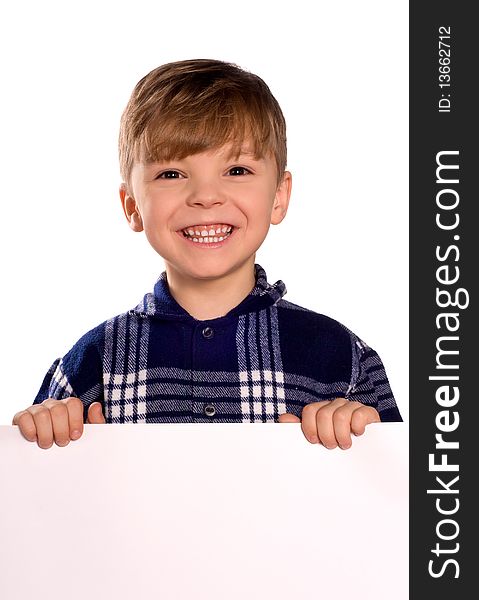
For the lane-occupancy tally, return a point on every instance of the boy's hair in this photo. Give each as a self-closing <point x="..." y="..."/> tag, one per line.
<point x="190" y="106"/>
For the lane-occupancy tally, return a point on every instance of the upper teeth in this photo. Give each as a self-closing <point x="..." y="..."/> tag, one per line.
<point x="210" y="231"/>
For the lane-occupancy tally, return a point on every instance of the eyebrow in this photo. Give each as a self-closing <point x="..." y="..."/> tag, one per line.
<point x="242" y="152"/>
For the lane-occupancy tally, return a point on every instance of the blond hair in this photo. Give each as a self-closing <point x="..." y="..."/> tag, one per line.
<point x="189" y="106"/>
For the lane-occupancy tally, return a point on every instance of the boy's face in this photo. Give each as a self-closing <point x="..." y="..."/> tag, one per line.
<point x="201" y="193"/>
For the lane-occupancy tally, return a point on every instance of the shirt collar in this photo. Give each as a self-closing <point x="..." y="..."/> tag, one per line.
<point x="161" y="303"/>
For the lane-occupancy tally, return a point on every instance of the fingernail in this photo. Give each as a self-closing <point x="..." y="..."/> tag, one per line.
<point x="75" y="434"/>
<point x="344" y="447"/>
<point x="313" y="439"/>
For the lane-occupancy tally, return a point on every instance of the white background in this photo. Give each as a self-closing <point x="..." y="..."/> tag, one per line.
<point x="69" y="260"/>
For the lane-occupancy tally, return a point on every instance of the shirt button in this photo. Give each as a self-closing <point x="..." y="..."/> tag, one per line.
<point x="210" y="410"/>
<point x="207" y="332"/>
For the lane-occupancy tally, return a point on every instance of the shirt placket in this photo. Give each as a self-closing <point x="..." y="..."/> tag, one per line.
<point x="205" y="337"/>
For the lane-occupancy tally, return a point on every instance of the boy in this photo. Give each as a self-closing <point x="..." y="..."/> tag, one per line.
<point x="203" y="155"/>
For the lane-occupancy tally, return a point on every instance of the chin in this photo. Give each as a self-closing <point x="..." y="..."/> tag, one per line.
<point x="209" y="272"/>
<point x="211" y="269"/>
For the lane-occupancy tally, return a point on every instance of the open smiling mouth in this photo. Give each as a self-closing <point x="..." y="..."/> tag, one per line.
<point x="207" y="235"/>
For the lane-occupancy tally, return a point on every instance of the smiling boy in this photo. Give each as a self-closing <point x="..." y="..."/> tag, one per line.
<point x="203" y="160"/>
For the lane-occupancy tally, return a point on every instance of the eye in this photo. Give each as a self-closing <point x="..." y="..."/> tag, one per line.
<point x="245" y="171"/>
<point x="168" y="175"/>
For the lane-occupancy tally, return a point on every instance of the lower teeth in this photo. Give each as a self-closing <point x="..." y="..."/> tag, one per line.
<point x="206" y="239"/>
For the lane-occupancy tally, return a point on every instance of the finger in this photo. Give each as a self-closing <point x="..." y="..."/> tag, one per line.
<point x="342" y="424"/>
<point x="26" y="424"/>
<point x="59" y="417"/>
<point x="288" y="418"/>
<point x="362" y="416"/>
<point x="43" y="424"/>
<point x="308" y="420"/>
<point x="325" y="424"/>
<point x="95" y="413"/>
<point x="75" y="417"/>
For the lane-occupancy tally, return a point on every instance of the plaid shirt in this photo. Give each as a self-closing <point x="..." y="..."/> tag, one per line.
<point x="158" y="364"/>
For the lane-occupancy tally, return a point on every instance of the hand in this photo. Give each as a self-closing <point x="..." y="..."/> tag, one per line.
<point x="56" y="420"/>
<point x="331" y="422"/>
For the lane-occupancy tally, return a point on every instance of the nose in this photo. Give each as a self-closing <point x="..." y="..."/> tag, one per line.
<point x="205" y="193"/>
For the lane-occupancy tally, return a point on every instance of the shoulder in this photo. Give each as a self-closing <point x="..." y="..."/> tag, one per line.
<point x="86" y="350"/>
<point x="317" y="344"/>
<point x="91" y="345"/>
<point x="311" y="324"/>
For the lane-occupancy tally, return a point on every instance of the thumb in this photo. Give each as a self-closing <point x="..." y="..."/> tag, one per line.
<point x="288" y="418"/>
<point x="95" y="414"/>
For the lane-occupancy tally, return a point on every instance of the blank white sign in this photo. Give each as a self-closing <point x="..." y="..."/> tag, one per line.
<point x="204" y="512"/>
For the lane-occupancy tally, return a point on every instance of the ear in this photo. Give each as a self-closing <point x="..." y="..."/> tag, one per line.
<point x="281" y="199"/>
<point x="130" y="208"/>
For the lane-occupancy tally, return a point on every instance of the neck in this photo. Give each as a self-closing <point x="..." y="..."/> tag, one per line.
<point x="206" y="299"/>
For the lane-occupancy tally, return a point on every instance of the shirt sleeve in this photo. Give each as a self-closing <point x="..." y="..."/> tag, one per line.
<point x="55" y="384"/>
<point x="369" y="383"/>
<point x="79" y="373"/>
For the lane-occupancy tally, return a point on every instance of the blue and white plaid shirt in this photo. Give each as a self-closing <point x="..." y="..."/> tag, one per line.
<point x="158" y="364"/>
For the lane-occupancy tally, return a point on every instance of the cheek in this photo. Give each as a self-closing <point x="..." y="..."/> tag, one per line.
<point x="153" y="216"/>
<point x="262" y="212"/>
<point x="259" y="220"/>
